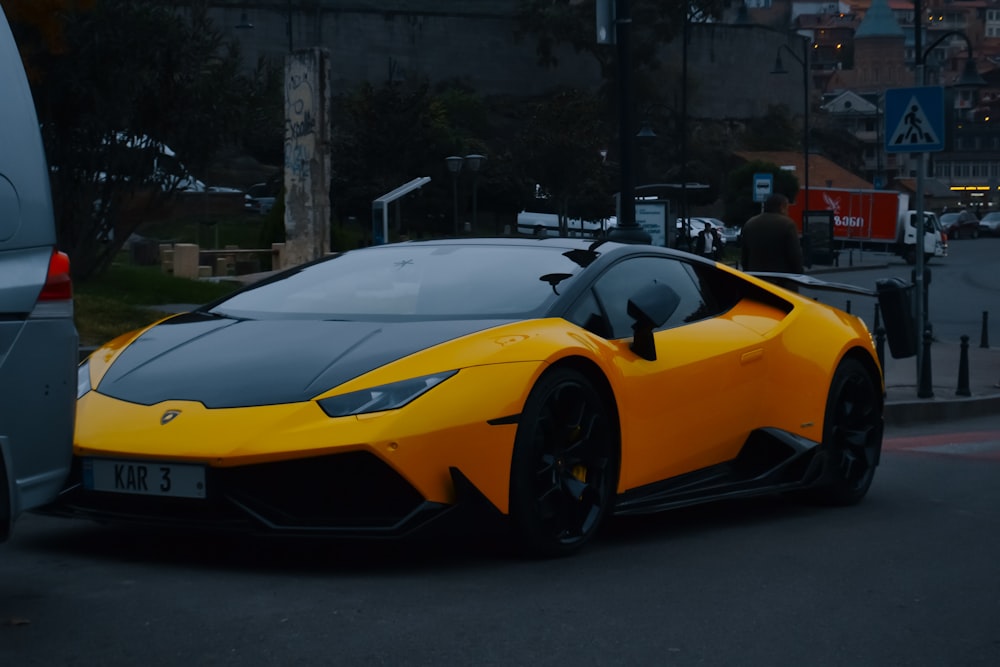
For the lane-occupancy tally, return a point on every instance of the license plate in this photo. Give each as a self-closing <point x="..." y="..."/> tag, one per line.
<point x="146" y="478"/>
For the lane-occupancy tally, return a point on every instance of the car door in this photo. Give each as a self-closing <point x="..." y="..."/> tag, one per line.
<point x="38" y="340"/>
<point x="696" y="403"/>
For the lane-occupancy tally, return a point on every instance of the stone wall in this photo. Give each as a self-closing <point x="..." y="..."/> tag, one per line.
<point x="475" y="42"/>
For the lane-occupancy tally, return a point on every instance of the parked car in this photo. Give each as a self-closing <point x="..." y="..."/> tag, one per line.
<point x="960" y="225"/>
<point x="990" y="224"/>
<point x="392" y="388"/>
<point x="732" y="234"/>
<point x="38" y="340"/>
<point x="260" y="198"/>
<point x="697" y="224"/>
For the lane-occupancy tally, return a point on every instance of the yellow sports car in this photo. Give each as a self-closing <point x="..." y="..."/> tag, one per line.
<point x="552" y="382"/>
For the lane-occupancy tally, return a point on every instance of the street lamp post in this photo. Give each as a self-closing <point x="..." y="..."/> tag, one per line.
<point x="626" y="231"/>
<point x="454" y="163"/>
<point x="921" y="276"/>
<point x="779" y="68"/>
<point x="475" y="163"/>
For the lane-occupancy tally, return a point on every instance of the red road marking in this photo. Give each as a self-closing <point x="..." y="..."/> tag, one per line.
<point x="974" y="444"/>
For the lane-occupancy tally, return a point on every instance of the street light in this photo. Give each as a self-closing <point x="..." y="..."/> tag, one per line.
<point x="454" y="163"/>
<point x="626" y="231"/>
<point x="921" y="276"/>
<point x="474" y="162"/>
<point x="246" y="24"/>
<point x="970" y="77"/>
<point x="779" y="68"/>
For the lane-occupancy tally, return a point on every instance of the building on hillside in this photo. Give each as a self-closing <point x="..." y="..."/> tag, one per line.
<point x="823" y="172"/>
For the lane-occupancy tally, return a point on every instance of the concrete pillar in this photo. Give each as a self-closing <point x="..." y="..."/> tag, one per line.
<point x="167" y="258"/>
<point x="186" y="260"/>
<point x="307" y="156"/>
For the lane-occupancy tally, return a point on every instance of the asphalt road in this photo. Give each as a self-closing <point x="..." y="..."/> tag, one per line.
<point x="908" y="577"/>
<point x="962" y="287"/>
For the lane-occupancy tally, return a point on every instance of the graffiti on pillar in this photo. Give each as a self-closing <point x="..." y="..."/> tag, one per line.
<point x="300" y="125"/>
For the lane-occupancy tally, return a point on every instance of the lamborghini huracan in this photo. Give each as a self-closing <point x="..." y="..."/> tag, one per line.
<point x="548" y="382"/>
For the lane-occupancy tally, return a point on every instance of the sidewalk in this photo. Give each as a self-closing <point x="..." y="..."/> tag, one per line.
<point x="903" y="404"/>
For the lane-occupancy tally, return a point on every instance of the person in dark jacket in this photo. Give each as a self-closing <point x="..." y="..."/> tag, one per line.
<point x="771" y="240"/>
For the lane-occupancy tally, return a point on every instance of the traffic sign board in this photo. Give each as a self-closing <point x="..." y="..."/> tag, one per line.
<point x="914" y="119"/>
<point x="763" y="186"/>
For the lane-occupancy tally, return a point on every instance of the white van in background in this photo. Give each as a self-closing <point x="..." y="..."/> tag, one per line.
<point x="38" y="340"/>
<point x="547" y="224"/>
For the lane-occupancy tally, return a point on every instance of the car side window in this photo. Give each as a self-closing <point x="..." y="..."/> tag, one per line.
<point x="604" y="310"/>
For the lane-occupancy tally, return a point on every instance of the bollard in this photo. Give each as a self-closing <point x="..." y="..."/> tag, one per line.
<point x="925" y="388"/>
<point x="880" y="346"/>
<point x="848" y="309"/>
<point x="984" y="340"/>
<point x="878" y="317"/>
<point x="963" y="370"/>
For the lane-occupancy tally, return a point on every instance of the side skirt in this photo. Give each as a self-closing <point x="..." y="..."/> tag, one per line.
<point x="770" y="461"/>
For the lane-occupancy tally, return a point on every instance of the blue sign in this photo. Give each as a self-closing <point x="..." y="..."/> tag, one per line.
<point x="763" y="186"/>
<point x="914" y="119"/>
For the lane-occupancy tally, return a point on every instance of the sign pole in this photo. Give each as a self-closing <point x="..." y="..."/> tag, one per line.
<point x="915" y="124"/>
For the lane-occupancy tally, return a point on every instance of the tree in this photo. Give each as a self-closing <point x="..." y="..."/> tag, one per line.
<point x="388" y="134"/>
<point x="561" y="146"/>
<point x="571" y="22"/>
<point x="774" y="131"/>
<point x="738" y="199"/>
<point x="115" y="81"/>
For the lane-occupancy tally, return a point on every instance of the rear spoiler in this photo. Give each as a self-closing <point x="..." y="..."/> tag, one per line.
<point x="895" y="300"/>
<point x="811" y="283"/>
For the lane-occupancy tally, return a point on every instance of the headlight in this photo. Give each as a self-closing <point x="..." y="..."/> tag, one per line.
<point x="83" y="379"/>
<point x="377" y="399"/>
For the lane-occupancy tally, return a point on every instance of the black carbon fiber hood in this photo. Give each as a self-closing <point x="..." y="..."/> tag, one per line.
<point x="225" y="363"/>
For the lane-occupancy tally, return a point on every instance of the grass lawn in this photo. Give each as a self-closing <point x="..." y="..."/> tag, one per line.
<point x="125" y="298"/>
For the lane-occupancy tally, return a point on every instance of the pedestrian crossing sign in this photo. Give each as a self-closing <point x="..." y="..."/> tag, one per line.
<point x="914" y="119"/>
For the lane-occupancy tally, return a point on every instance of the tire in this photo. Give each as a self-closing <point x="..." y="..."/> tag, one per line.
<point x="975" y="233"/>
<point x="564" y="470"/>
<point x="958" y="234"/>
<point x="852" y="436"/>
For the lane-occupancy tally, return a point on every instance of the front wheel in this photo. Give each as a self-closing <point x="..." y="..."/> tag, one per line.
<point x="564" y="470"/>
<point x="852" y="435"/>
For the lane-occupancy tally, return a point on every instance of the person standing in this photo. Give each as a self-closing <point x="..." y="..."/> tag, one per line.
<point x="708" y="242"/>
<point x="771" y="240"/>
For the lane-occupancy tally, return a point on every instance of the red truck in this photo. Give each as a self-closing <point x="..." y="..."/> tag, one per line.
<point x="873" y="220"/>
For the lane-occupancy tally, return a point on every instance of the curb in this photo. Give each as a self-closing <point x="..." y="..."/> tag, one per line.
<point x="937" y="410"/>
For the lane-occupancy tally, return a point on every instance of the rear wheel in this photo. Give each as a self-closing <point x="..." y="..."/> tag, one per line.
<point x="852" y="435"/>
<point x="564" y="470"/>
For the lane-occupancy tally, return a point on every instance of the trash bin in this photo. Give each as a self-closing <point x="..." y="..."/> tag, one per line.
<point x="895" y="300"/>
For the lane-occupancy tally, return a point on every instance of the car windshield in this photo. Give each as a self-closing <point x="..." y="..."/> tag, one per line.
<point x="411" y="281"/>
<point x="949" y="217"/>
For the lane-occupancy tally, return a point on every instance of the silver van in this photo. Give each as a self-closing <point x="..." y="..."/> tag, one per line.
<point x="38" y="340"/>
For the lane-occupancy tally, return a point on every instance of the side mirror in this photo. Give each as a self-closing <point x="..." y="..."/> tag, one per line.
<point x="650" y="307"/>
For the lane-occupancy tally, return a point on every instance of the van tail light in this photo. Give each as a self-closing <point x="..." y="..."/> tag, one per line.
<point x="56" y="298"/>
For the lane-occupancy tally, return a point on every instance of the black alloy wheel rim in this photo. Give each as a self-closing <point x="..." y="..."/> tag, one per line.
<point x="571" y="445"/>
<point x="857" y="430"/>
